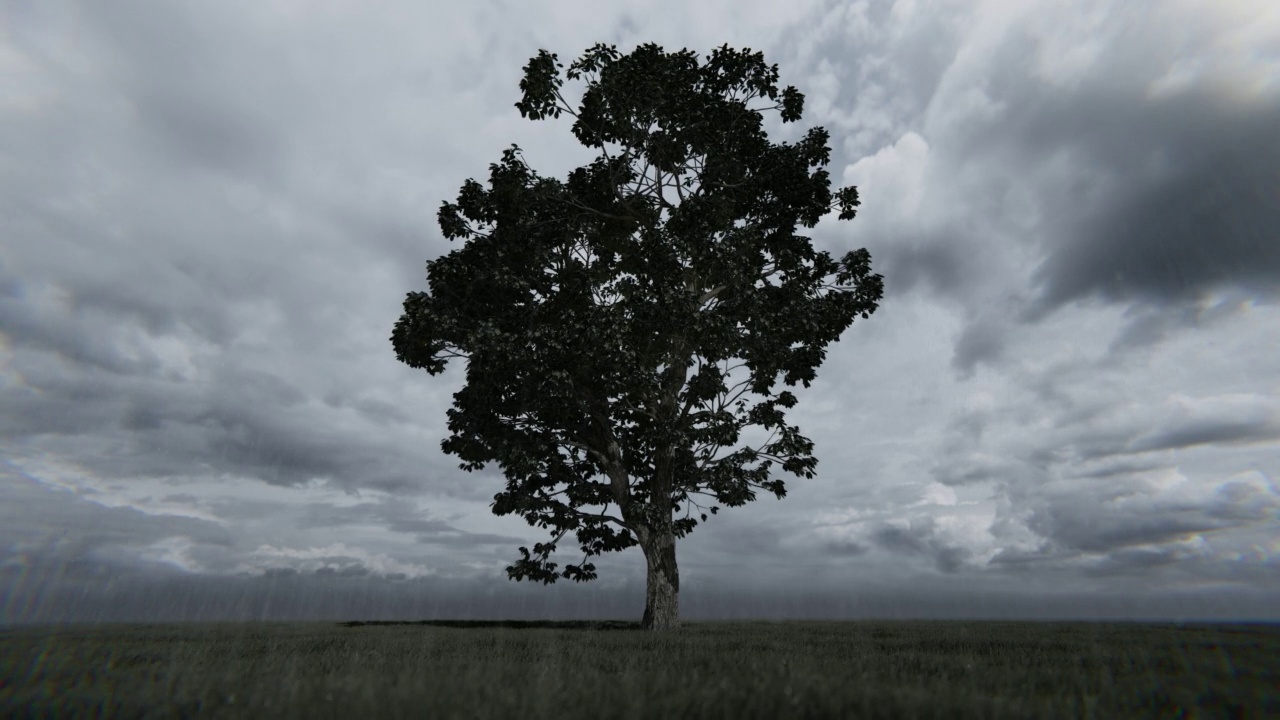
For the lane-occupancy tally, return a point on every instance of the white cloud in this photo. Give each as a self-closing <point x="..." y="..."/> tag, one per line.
<point x="938" y="494"/>
<point x="892" y="180"/>
<point x="335" y="555"/>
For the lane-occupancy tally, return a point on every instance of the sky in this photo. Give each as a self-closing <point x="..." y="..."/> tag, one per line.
<point x="1066" y="406"/>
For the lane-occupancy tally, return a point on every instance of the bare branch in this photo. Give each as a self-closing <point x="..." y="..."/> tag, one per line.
<point x="601" y="457"/>
<point x="567" y="107"/>
<point x="710" y="462"/>
<point x="601" y="515"/>
<point x="711" y="294"/>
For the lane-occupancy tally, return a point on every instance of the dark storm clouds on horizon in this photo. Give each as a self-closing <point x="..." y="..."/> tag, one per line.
<point x="95" y="592"/>
<point x="186" y="287"/>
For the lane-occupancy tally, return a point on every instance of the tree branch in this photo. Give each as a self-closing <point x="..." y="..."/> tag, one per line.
<point x="708" y="462"/>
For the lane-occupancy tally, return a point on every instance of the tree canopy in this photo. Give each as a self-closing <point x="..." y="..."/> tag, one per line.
<point x="605" y="318"/>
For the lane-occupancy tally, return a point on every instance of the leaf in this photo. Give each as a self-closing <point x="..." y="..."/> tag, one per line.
<point x="597" y="314"/>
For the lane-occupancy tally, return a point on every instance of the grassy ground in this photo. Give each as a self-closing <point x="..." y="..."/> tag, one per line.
<point x="612" y="670"/>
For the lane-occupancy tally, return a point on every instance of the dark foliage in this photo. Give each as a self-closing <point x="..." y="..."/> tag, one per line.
<point x="601" y="316"/>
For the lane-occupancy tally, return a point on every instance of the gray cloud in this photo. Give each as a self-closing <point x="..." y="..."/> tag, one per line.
<point x="1136" y="180"/>
<point x="845" y="548"/>
<point x="243" y="421"/>
<point x="1091" y="528"/>
<point x="921" y="538"/>
<point x="194" y="81"/>
<point x="1203" y="431"/>
<point x="76" y="532"/>
<point x="1242" y="501"/>
<point x="399" y="519"/>
<point x="981" y="341"/>
<point x="213" y="213"/>
<point x="937" y="265"/>
<point x="1207" y="220"/>
<point x="1151" y="325"/>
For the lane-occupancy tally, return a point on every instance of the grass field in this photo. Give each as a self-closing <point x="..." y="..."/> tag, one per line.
<point x="869" y="669"/>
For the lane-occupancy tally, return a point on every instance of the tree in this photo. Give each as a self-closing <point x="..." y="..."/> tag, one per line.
<point x="603" y="318"/>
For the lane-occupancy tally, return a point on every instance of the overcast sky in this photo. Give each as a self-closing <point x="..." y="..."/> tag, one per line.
<point x="1067" y="405"/>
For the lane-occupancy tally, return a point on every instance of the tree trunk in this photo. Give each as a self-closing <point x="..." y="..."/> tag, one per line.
<point x="662" y="589"/>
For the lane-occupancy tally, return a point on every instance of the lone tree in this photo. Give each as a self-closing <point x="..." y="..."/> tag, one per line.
<point x="602" y="317"/>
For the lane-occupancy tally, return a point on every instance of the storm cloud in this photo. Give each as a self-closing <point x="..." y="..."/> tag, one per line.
<point x="1065" y="406"/>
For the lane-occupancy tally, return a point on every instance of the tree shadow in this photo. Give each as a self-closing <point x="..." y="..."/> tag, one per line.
<point x="517" y="624"/>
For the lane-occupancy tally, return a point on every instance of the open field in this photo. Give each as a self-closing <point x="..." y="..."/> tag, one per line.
<point x="726" y="670"/>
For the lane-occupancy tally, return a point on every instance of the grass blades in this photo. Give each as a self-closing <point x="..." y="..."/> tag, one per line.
<point x="868" y="669"/>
